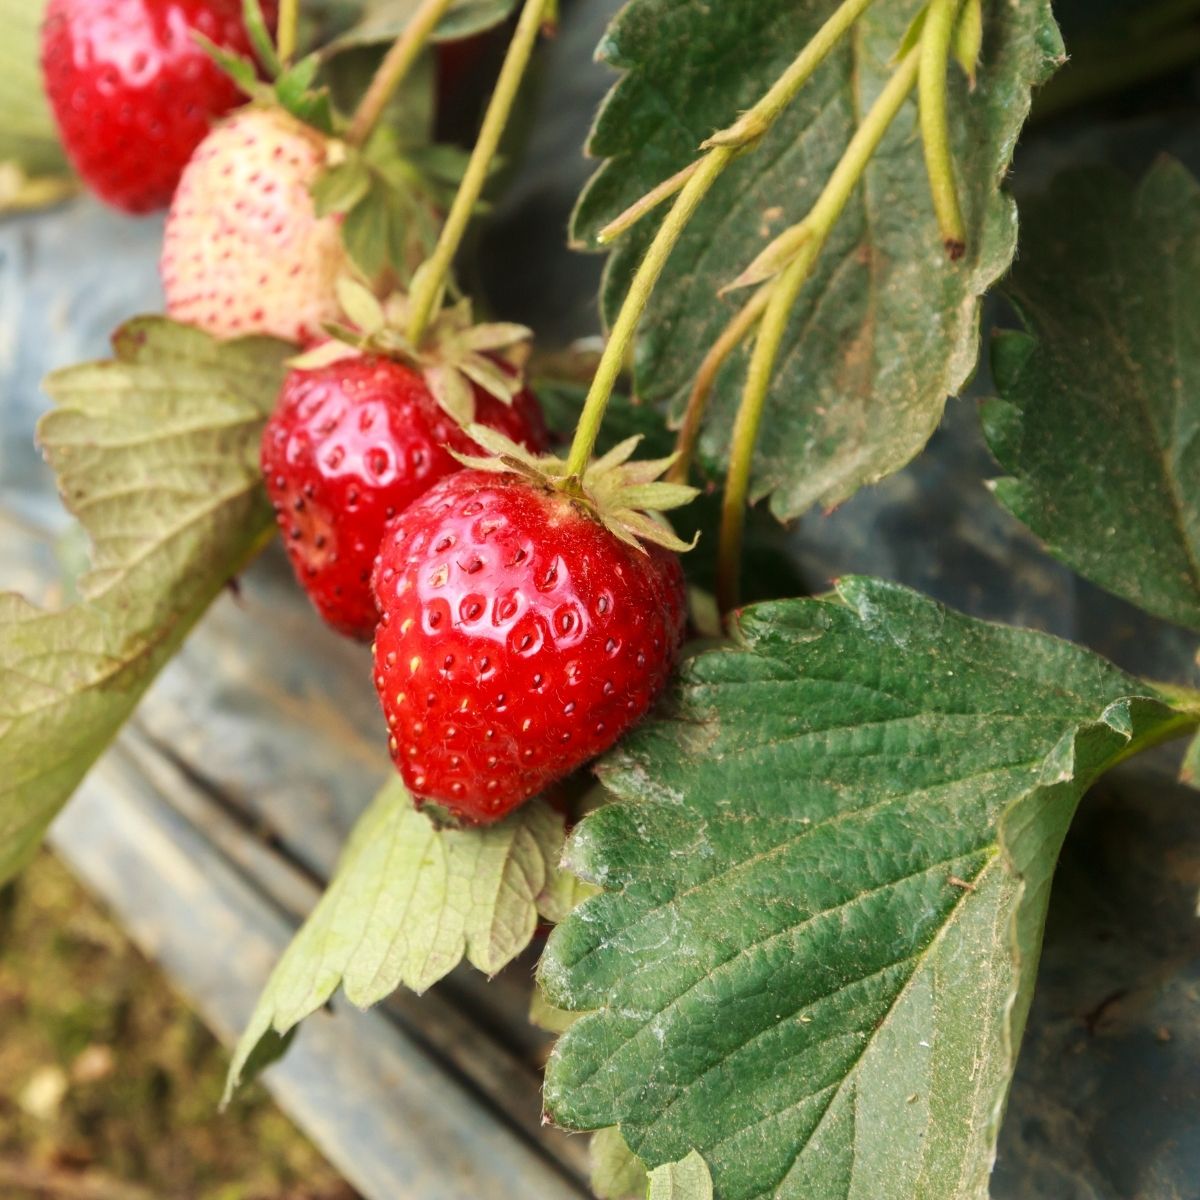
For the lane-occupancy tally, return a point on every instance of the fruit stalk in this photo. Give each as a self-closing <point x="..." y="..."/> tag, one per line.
<point x="756" y="121"/>
<point x="784" y="290"/>
<point x="621" y="336"/>
<point x="692" y="184"/>
<point x="395" y="66"/>
<point x="731" y="338"/>
<point x="285" y="39"/>
<point x="430" y="279"/>
<point x="935" y="128"/>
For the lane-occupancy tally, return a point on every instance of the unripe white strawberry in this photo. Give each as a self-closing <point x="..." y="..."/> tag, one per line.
<point x="244" y="250"/>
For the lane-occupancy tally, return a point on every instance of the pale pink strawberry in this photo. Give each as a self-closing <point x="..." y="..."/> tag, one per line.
<point x="244" y="251"/>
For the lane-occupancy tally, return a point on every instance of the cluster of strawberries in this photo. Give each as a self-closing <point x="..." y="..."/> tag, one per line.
<point x="522" y="619"/>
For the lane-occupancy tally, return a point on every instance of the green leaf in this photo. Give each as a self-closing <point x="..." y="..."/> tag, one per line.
<point x="28" y="136"/>
<point x="384" y="20"/>
<point x="408" y="902"/>
<point x="887" y="327"/>
<point x="156" y="453"/>
<point x="688" y="1179"/>
<point x="825" y="882"/>
<point x="1099" y="415"/>
<point x="617" y="1173"/>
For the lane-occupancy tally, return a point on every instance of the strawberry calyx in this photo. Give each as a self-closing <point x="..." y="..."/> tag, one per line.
<point x="454" y="353"/>
<point x="286" y="85"/>
<point x="627" y="497"/>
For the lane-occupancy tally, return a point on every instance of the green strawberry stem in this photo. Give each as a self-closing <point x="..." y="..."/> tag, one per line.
<point x="608" y="369"/>
<point x="935" y="130"/>
<point x="784" y="290"/>
<point x="692" y="185"/>
<point x="395" y="66"/>
<point x="731" y="338"/>
<point x="285" y="38"/>
<point x="430" y="279"/>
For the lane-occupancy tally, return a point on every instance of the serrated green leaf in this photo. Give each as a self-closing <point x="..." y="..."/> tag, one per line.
<point x="156" y="453"/>
<point x="688" y="1179"/>
<point x="1098" y="422"/>
<point x="887" y="326"/>
<point x="385" y="20"/>
<point x="28" y="136"/>
<point x="617" y="1173"/>
<point x="825" y="881"/>
<point x="408" y="902"/>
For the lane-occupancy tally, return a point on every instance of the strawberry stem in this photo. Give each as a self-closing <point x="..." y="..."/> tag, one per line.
<point x="935" y="128"/>
<point x="430" y="279"/>
<point x="394" y="68"/>
<point x="731" y="337"/>
<point x="285" y="37"/>
<point x="784" y="290"/>
<point x="690" y="186"/>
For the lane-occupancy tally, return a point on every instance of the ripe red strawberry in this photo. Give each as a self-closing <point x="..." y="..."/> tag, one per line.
<point x="244" y="250"/>
<point x="352" y="444"/>
<point x="518" y="639"/>
<point x="132" y="91"/>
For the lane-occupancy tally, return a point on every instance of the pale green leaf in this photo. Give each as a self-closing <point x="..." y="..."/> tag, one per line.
<point x="1098" y="423"/>
<point x="617" y="1173"/>
<point x="408" y="902"/>
<point x="688" y="1179"/>
<point x="156" y="452"/>
<point x="887" y="326"/>
<point x="825" y="879"/>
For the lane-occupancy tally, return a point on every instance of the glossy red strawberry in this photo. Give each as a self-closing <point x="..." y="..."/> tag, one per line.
<point x="518" y="639"/>
<point x="351" y="445"/>
<point x="132" y="91"/>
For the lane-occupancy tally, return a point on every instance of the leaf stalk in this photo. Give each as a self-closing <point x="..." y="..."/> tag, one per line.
<point x="784" y="290"/>
<point x="755" y="121"/>
<point x="394" y="69"/>
<point x="430" y="279"/>
<point x="690" y="186"/>
<point x="935" y="46"/>
<point x="285" y="37"/>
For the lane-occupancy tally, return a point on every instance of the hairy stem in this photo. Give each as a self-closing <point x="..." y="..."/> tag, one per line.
<point x="285" y="37"/>
<point x="692" y="185"/>
<point x="731" y="337"/>
<point x="650" y="201"/>
<point x="756" y="120"/>
<point x="395" y="66"/>
<point x="621" y="337"/>
<point x="935" y="127"/>
<point x="784" y="291"/>
<point x="430" y="278"/>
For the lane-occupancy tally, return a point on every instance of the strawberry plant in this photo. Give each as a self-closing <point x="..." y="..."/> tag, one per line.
<point x="798" y="854"/>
